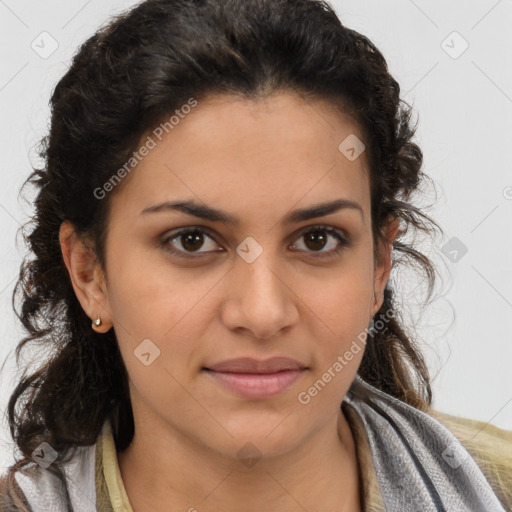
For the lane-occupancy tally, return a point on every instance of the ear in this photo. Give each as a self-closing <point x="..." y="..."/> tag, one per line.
<point x="86" y="275"/>
<point x="383" y="267"/>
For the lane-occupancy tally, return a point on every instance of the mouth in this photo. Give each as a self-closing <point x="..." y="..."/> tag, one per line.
<point x="256" y="386"/>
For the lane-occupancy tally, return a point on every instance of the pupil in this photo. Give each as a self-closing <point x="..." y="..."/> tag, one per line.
<point x="316" y="237"/>
<point x="193" y="239"/>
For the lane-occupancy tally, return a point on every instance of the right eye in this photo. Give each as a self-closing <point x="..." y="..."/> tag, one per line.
<point x="190" y="239"/>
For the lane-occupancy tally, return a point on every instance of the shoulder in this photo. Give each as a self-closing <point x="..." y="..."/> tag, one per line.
<point x="488" y="445"/>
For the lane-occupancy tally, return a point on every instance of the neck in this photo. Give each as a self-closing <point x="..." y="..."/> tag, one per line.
<point x="173" y="473"/>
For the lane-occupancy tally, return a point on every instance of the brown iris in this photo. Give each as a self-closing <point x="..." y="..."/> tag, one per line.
<point x="317" y="239"/>
<point x="192" y="241"/>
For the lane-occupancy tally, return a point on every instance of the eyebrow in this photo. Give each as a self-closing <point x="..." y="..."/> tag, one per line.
<point x="206" y="212"/>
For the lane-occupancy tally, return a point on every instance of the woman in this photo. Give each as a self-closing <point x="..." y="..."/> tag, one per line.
<point x="227" y="185"/>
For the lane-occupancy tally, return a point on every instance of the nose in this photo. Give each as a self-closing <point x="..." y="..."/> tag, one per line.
<point x="260" y="298"/>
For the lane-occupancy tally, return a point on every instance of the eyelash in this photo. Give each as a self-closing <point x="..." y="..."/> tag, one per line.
<point x="343" y="242"/>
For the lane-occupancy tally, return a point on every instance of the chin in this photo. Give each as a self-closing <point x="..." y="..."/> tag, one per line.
<point x="267" y="441"/>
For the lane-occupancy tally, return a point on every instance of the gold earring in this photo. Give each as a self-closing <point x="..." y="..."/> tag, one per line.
<point x="97" y="322"/>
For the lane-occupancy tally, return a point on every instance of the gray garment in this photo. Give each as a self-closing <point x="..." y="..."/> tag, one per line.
<point x="420" y="464"/>
<point x="46" y="493"/>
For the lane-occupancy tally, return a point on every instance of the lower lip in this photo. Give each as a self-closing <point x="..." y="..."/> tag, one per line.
<point x="256" y="385"/>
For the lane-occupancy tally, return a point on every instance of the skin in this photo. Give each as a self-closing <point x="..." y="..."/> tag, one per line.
<point x="257" y="160"/>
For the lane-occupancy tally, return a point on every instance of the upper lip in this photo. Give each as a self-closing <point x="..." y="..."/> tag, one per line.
<point x="251" y="365"/>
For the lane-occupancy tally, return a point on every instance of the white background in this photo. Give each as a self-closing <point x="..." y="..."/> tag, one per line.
<point x="464" y="107"/>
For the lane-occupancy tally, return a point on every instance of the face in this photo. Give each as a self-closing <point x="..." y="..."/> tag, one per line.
<point x="269" y="284"/>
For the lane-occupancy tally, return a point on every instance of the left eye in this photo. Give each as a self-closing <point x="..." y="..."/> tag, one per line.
<point x="317" y="239"/>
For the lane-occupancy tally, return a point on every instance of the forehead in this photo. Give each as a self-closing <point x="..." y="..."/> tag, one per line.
<point x="239" y="153"/>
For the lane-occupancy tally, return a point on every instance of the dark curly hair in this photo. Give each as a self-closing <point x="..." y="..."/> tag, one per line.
<point x="123" y="82"/>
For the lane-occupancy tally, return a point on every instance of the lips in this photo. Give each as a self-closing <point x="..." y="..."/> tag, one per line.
<point x="255" y="379"/>
<point x="250" y="365"/>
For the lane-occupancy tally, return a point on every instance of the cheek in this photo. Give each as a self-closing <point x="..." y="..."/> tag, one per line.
<point x="149" y="294"/>
<point x="342" y="297"/>
<point x="165" y="305"/>
<point x="338" y="309"/>
<point x="339" y="328"/>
